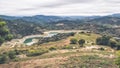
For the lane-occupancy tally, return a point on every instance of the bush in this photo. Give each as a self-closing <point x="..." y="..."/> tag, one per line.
<point x="36" y="52"/>
<point x="112" y="44"/>
<point x="52" y="48"/>
<point x="12" y="54"/>
<point x="67" y="47"/>
<point x="8" y="37"/>
<point x="104" y="40"/>
<point x="1" y="40"/>
<point x="102" y="49"/>
<point x="3" y="58"/>
<point x="72" y="33"/>
<point x="73" y="41"/>
<point x="82" y="32"/>
<point x="81" y="42"/>
<point x="117" y="60"/>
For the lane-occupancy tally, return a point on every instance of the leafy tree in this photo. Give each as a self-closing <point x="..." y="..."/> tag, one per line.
<point x="4" y="32"/>
<point x="72" y="33"/>
<point x="81" y="42"/>
<point x="1" y="40"/>
<point x="2" y="23"/>
<point x="104" y="40"/>
<point x="112" y="44"/>
<point x="8" y="37"/>
<point x="73" y="41"/>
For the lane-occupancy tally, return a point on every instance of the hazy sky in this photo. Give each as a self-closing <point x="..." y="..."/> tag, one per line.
<point x="58" y="7"/>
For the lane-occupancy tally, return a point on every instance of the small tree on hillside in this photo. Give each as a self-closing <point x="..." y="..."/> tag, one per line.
<point x="81" y="42"/>
<point x="112" y="44"/>
<point x="104" y="40"/>
<point x="73" y="41"/>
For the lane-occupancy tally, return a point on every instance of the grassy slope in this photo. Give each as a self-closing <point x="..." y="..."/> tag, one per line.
<point x="89" y="38"/>
<point x="86" y="57"/>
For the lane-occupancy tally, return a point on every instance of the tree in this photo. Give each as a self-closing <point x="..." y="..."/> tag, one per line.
<point x="104" y="40"/>
<point x="81" y="42"/>
<point x="4" y="33"/>
<point x="2" y="23"/>
<point x="73" y="41"/>
<point x="8" y="37"/>
<point x="72" y="33"/>
<point x="112" y="44"/>
<point x="1" y="40"/>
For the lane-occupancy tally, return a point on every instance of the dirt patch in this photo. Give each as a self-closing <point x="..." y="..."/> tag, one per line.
<point x="38" y="63"/>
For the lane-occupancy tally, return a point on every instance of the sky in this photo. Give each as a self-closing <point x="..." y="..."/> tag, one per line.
<point x="59" y="7"/>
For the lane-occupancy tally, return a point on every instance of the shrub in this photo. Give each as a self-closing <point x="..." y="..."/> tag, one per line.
<point x="104" y="40"/>
<point x="81" y="42"/>
<point x="67" y="47"/>
<point x="72" y="33"/>
<point x="52" y="48"/>
<point x="36" y="52"/>
<point x="3" y="58"/>
<point x="117" y="60"/>
<point x="73" y="41"/>
<point x="82" y="32"/>
<point x="112" y="44"/>
<point x="101" y="49"/>
<point x="12" y="54"/>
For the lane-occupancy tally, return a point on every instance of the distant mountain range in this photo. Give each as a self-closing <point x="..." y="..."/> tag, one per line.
<point x="42" y="18"/>
<point x="27" y="25"/>
<point x="45" y="19"/>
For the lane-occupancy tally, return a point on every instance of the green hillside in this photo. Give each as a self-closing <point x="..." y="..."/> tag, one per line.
<point x="4" y="33"/>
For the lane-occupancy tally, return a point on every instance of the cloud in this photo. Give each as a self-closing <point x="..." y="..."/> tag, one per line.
<point x="59" y="7"/>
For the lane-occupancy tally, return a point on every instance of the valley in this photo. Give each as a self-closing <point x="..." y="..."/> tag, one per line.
<point x="60" y="42"/>
<point x="59" y="33"/>
<point x="63" y="54"/>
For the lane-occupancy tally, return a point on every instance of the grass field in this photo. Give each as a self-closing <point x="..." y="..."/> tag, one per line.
<point x="88" y="37"/>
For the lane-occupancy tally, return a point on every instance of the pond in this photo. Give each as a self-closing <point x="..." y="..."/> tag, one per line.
<point x="30" y="41"/>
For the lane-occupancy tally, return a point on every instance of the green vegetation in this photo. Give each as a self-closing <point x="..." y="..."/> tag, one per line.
<point x="36" y="52"/>
<point x="63" y="49"/>
<point x="67" y="47"/>
<point x="52" y="48"/>
<point x="117" y="61"/>
<point x="64" y="54"/>
<point x="104" y="40"/>
<point x="88" y="61"/>
<point x="81" y="42"/>
<point x="108" y="41"/>
<point x="90" y="38"/>
<point x="73" y="41"/>
<point x="54" y="38"/>
<point x="7" y="56"/>
<point x="4" y="33"/>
